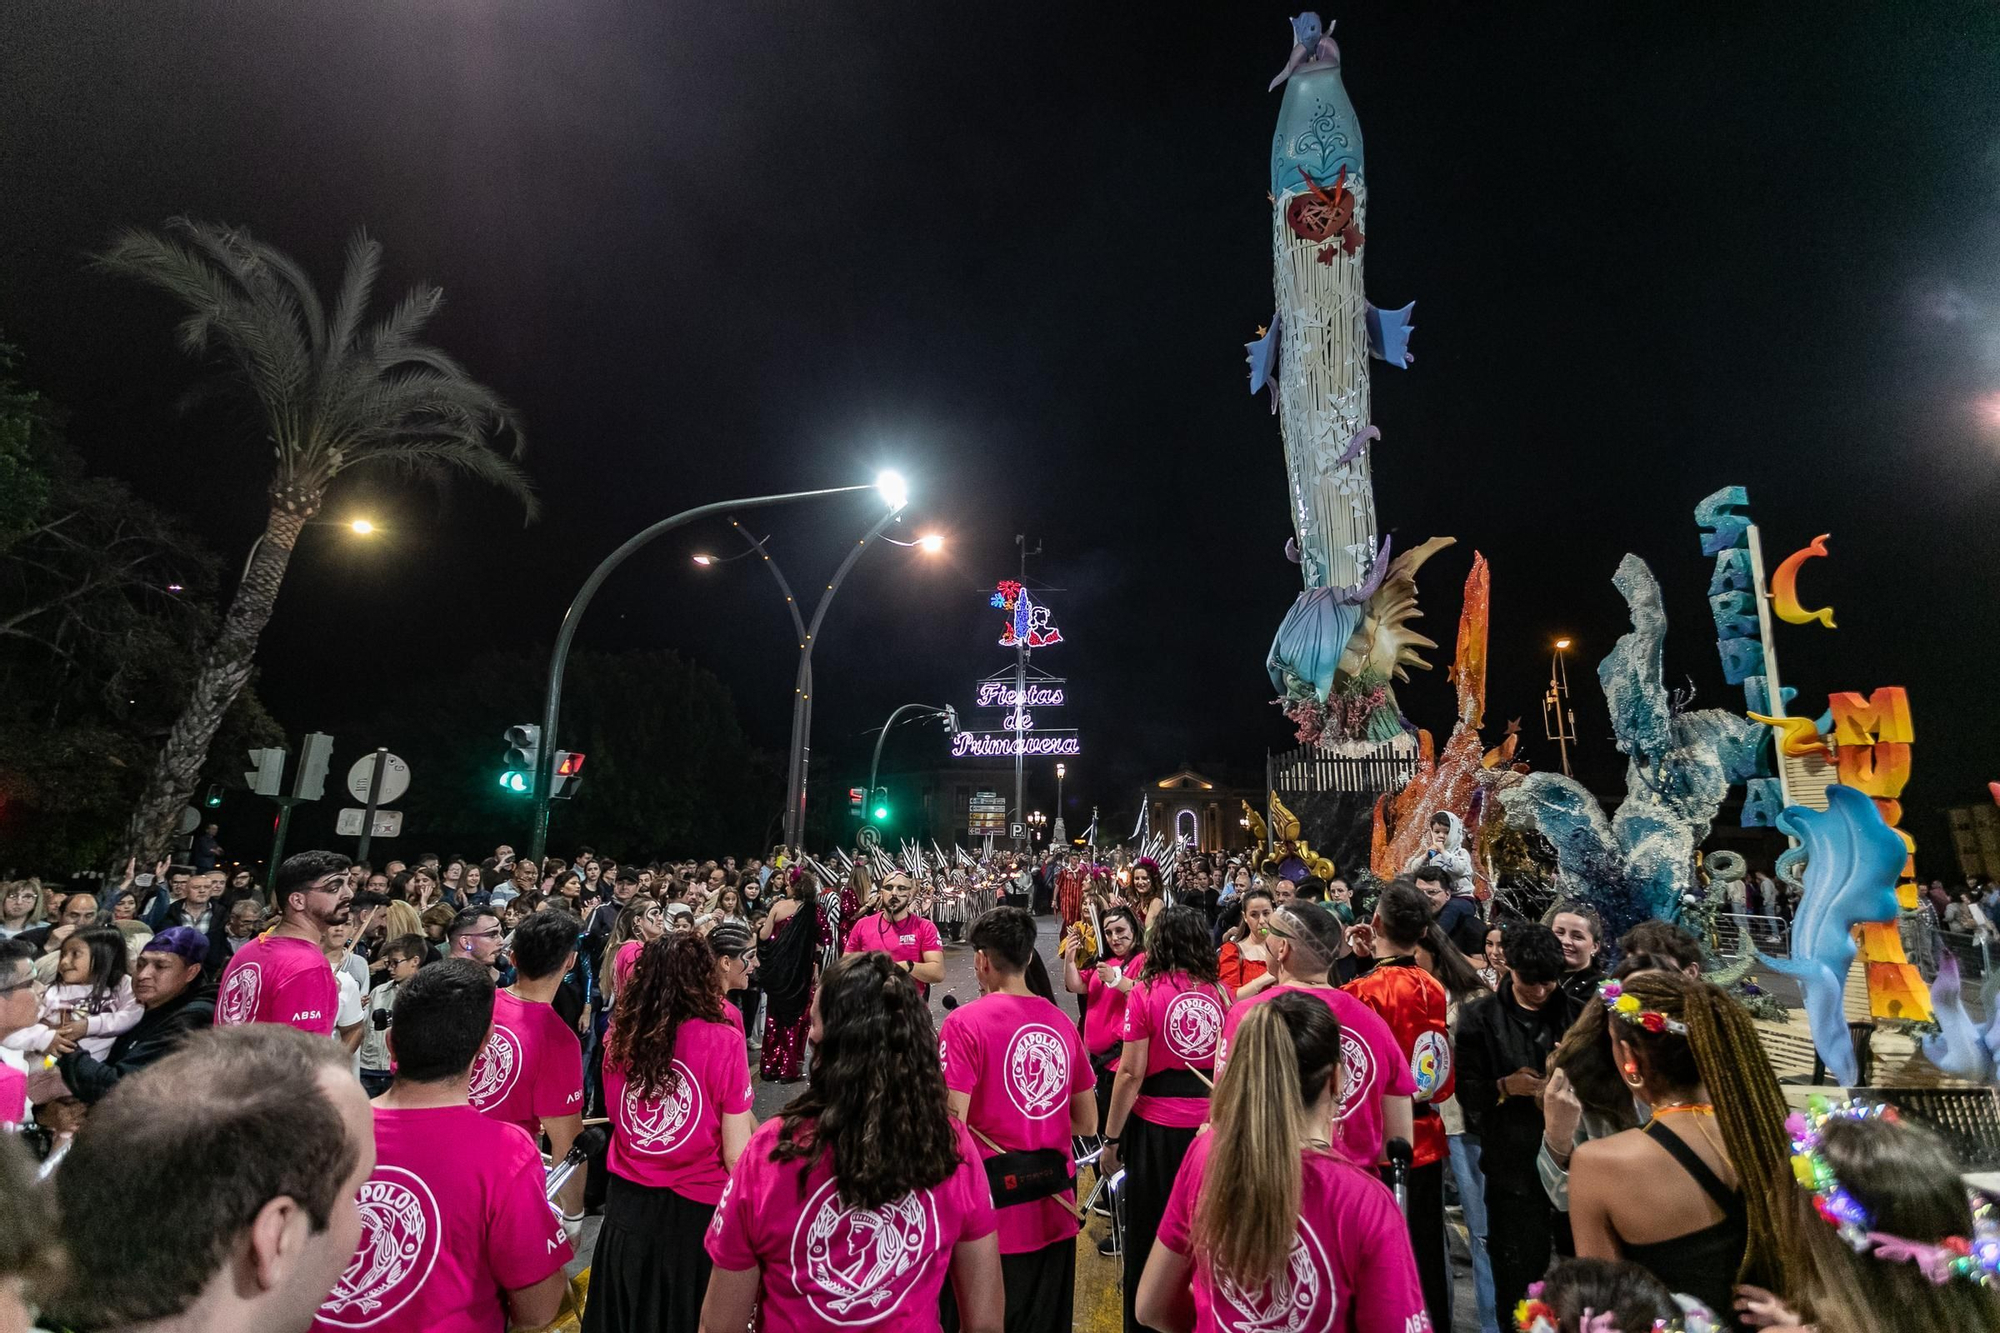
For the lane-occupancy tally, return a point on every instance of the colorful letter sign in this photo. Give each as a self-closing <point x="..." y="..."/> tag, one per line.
<point x="1732" y="601"/>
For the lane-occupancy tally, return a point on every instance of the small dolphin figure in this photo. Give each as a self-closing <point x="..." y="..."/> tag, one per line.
<point x="1309" y="42"/>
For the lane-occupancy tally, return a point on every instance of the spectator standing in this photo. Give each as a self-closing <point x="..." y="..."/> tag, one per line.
<point x="1457" y="915"/>
<point x="283" y="977"/>
<point x="1019" y="1079"/>
<point x="1504" y="1043"/>
<point x="401" y="957"/>
<point x="244" y="1154"/>
<point x="456" y="1234"/>
<point x="169" y="980"/>
<point x="1581" y="933"/>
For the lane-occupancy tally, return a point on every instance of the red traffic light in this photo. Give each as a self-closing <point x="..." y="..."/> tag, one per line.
<point x="568" y="764"/>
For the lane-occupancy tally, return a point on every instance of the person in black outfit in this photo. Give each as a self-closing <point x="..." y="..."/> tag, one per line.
<point x="1580" y="931"/>
<point x="1457" y="915"/>
<point x="167" y="979"/>
<point x="1504" y="1042"/>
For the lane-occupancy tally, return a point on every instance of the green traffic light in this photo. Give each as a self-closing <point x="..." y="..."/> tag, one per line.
<point x="514" y="780"/>
<point x="881" y="812"/>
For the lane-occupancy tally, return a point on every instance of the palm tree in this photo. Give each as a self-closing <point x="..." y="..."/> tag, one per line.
<point x="333" y="394"/>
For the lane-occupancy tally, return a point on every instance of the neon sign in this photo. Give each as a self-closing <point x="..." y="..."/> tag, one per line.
<point x="993" y="744"/>
<point x="1027" y="620"/>
<point x="999" y="694"/>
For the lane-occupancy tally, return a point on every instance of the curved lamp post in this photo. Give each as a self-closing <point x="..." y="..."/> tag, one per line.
<point x="893" y="490"/>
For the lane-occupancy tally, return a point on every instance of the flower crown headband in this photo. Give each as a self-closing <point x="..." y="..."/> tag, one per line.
<point x="1627" y="1007"/>
<point x="1976" y="1259"/>
<point x="1535" y="1315"/>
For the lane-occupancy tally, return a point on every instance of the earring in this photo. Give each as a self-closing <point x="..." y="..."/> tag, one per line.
<point x="1632" y="1079"/>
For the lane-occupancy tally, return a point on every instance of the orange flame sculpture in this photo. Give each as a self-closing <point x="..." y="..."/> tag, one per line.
<point x="1451" y="780"/>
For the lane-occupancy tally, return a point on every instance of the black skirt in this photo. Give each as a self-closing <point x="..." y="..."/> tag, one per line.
<point x="649" y="1270"/>
<point x="1152" y="1156"/>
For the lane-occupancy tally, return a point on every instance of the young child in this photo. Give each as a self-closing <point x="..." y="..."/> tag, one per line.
<point x="403" y="956"/>
<point x="1607" y="1296"/>
<point x="88" y="1007"/>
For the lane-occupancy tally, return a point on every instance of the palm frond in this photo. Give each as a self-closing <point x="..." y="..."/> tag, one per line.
<point x="357" y="285"/>
<point x="468" y="457"/>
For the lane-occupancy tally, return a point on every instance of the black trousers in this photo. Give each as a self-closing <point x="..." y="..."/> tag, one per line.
<point x="1517" y="1241"/>
<point x="650" y="1268"/>
<point x="1041" y="1291"/>
<point x="1426" y="1221"/>
<point x="1152" y="1155"/>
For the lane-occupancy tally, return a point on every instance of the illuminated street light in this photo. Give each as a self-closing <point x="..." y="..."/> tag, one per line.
<point x="1562" y="643"/>
<point x="704" y="560"/>
<point x="931" y="542"/>
<point x="361" y="527"/>
<point x="895" y="491"/>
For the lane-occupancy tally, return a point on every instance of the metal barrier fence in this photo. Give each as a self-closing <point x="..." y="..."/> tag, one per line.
<point x="1311" y="769"/>
<point x="1738" y="932"/>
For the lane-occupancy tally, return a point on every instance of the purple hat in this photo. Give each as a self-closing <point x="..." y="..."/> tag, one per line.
<point x="185" y="941"/>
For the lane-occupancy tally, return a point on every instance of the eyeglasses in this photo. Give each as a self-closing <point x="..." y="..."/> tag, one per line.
<point x="492" y="934"/>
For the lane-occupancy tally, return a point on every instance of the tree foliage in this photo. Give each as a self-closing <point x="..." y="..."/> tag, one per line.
<point x="668" y="770"/>
<point x="101" y="595"/>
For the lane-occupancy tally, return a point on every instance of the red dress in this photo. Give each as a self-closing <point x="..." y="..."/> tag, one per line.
<point x="1237" y="970"/>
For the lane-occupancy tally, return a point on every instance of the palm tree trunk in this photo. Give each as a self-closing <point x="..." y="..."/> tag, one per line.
<point x="225" y="670"/>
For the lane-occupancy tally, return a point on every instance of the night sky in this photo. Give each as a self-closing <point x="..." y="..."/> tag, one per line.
<point x="717" y="250"/>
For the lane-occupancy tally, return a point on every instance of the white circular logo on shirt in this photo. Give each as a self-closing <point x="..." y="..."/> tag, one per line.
<point x="1357" y="1071"/>
<point x="659" y="1127"/>
<point x="1299" y="1298"/>
<point x="1037" y="1071"/>
<point x="400" y="1236"/>
<point x="1193" y="1026"/>
<point x="495" y="1071"/>
<point x="855" y="1265"/>
<point x="1430" y="1064"/>
<point x="238" y="1002"/>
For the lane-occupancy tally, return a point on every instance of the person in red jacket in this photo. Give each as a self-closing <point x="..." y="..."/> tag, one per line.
<point x="1414" y="1005"/>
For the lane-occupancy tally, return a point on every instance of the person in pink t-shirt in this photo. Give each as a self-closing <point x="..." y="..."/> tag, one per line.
<point x="1268" y="1226"/>
<point x="530" y="1072"/>
<point x="1377" y="1084"/>
<point x="910" y="940"/>
<point x="677" y="1087"/>
<point x="1103" y="987"/>
<point x="850" y="1208"/>
<point x="456" y="1232"/>
<point x="283" y="977"/>
<point x="1020" y="1080"/>
<point x="1173" y="1025"/>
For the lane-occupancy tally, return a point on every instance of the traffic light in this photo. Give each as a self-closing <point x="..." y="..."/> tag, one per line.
<point x="267" y="771"/>
<point x="569" y="775"/>
<point x="309" y="783"/>
<point x="524" y="752"/>
<point x="878" y="805"/>
<point x="857" y="800"/>
<point x="212" y="798"/>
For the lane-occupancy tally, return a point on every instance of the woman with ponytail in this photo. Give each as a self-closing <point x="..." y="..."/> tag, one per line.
<point x="1696" y="1194"/>
<point x="1173" y="1022"/>
<point x="854" y="1205"/>
<point x="677" y="1085"/>
<point x="1269" y="1226"/>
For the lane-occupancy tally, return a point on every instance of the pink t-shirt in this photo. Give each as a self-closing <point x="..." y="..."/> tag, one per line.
<point x="278" y="979"/>
<point x="1181" y="1023"/>
<point x="906" y="941"/>
<point x="453" y="1217"/>
<point x="1104" y="1007"/>
<point x="826" y="1266"/>
<point x="1020" y="1060"/>
<point x="675" y="1141"/>
<point x="1371" y="1064"/>
<point x="623" y="962"/>
<point x="1351" y="1269"/>
<point x="530" y="1067"/>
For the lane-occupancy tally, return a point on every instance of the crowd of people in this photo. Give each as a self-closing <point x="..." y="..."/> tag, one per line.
<point x="338" y="1106"/>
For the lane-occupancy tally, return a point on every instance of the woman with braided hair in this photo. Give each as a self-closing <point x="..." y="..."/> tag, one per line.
<point x="1696" y="1195"/>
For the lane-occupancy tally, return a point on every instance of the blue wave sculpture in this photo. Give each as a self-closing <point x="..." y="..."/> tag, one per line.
<point x="1959" y="1048"/>
<point x="1852" y="860"/>
<point x="1639" y="864"/>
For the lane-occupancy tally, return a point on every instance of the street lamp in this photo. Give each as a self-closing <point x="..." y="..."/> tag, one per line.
<point x="1035" y="821"/>
<point x="1558" y="718"/>
<point x="566" y="632"/>
<point x="361" y="527"/>
<point x="895" y="492"/>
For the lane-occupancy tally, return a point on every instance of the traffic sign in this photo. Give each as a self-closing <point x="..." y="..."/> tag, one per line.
<point x="395" y="781"/>
<point x="868" y="838"/>
<point x="189" y="821"/>
<point x="1017" y="830"/>
<point x="388" y="823"/>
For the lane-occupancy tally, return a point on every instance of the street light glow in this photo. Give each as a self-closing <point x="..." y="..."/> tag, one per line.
<point x="931" y="543"/>
<point x="895" y="491"/>
<point x="362" y="527"/>
<point x="1562" y="643"/>
<point x="704" y="560"/>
